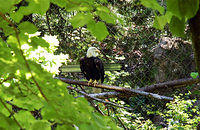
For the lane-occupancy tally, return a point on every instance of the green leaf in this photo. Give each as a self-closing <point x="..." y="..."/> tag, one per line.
<point x="8" y="66"/>
<point x="177" y="26"/>
<point x="83" y="1"/>
<point x="38" y="6"/>
<point x="6" y="5"/>
<point x="13" y="42"/>
<point x="81" y="19"/>
<point x="7" y="29"/>
<point x="99" y="30"/>
<point x="48" y="112"/>
<point x="65" y="127"/>
<point x="34" y="6"/>
<point x="161" y="21"/>
<point x="17" y="16"/>
<point x="61" y="3"/>
<point x="41" y="125"/>
<point x="23" y="10"/>
<point x="103" y="8"/>
<point x="27" y="27"/>
<point x="30" y="102"/>
<point x="7" y="123"/>
<point x="3" y="110"/>
<point x="194" y="75"/>
<point x="105" y="14"/>
<point x="82" y="6"/>
<point x="12" y="60"/>
<point x="23" y="38"/>
<point x="153" y="4"/>
<point x="4" y="51"/>
<point x="106" y="17"/>
<point x="183" y="8"/>
<point x="25" y="119"/>
<point x="38" y="41"/>
<point x="104" y="1"/>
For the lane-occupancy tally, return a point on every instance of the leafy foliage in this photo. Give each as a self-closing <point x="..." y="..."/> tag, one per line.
<point x="176" y="14"/>
<point x="194" y="75"/>
<point x="182" y="113"/>
<point x="27" y="88"/>
<point x="98" y="29"/>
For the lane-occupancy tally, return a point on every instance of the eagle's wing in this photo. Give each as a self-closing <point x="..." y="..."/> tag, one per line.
<point x="82" y="66"/>
<point x="100" y="68"/>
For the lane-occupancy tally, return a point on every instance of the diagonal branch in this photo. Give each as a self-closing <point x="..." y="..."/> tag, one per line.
<point x="126" y="91"/>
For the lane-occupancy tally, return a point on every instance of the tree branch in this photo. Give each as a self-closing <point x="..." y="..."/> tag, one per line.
<point x="170" y="84"/>
<point x="106" y="95"/>
<point x="99" y="100"/>
<point x="126" y="91"/>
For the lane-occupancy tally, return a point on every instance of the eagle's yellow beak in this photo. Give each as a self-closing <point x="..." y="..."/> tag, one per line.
<point x="98" y="51"/>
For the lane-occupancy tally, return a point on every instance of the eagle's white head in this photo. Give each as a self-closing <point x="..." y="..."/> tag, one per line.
<point x="92" y="52"/>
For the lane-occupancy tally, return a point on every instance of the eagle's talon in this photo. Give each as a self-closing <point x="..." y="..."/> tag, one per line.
<point x="90" y="82"/>
<point x="95" y="82"/>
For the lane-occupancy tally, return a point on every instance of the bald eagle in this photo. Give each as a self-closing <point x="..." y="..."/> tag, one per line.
<point x="91" y="66"/>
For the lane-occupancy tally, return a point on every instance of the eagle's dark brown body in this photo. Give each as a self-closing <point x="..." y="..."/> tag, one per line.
<point x="92" y="68"/>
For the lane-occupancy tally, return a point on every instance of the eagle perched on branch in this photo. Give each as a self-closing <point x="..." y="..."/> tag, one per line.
<point x="92" y="67"/>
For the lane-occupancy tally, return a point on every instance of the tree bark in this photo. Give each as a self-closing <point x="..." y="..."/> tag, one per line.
<point x="126" y="91"/>
<point x="194" y="24"/>
<point x="170" y="84"/>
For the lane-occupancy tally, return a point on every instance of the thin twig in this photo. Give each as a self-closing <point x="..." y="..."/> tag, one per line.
<point x="108" y="110"/>
<point x="11" y="113"/>
<point x="4" y="80"/>
<point x="99" y="100"/>
<point x="20" y="90"/>
<point x="92" y="103"/>
<point x="120" y="121"/>
<point x="22" y="54"/>
<point x="95" y="106"/>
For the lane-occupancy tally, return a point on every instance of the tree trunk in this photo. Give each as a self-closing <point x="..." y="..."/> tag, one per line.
<point x="195" y="31"/>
